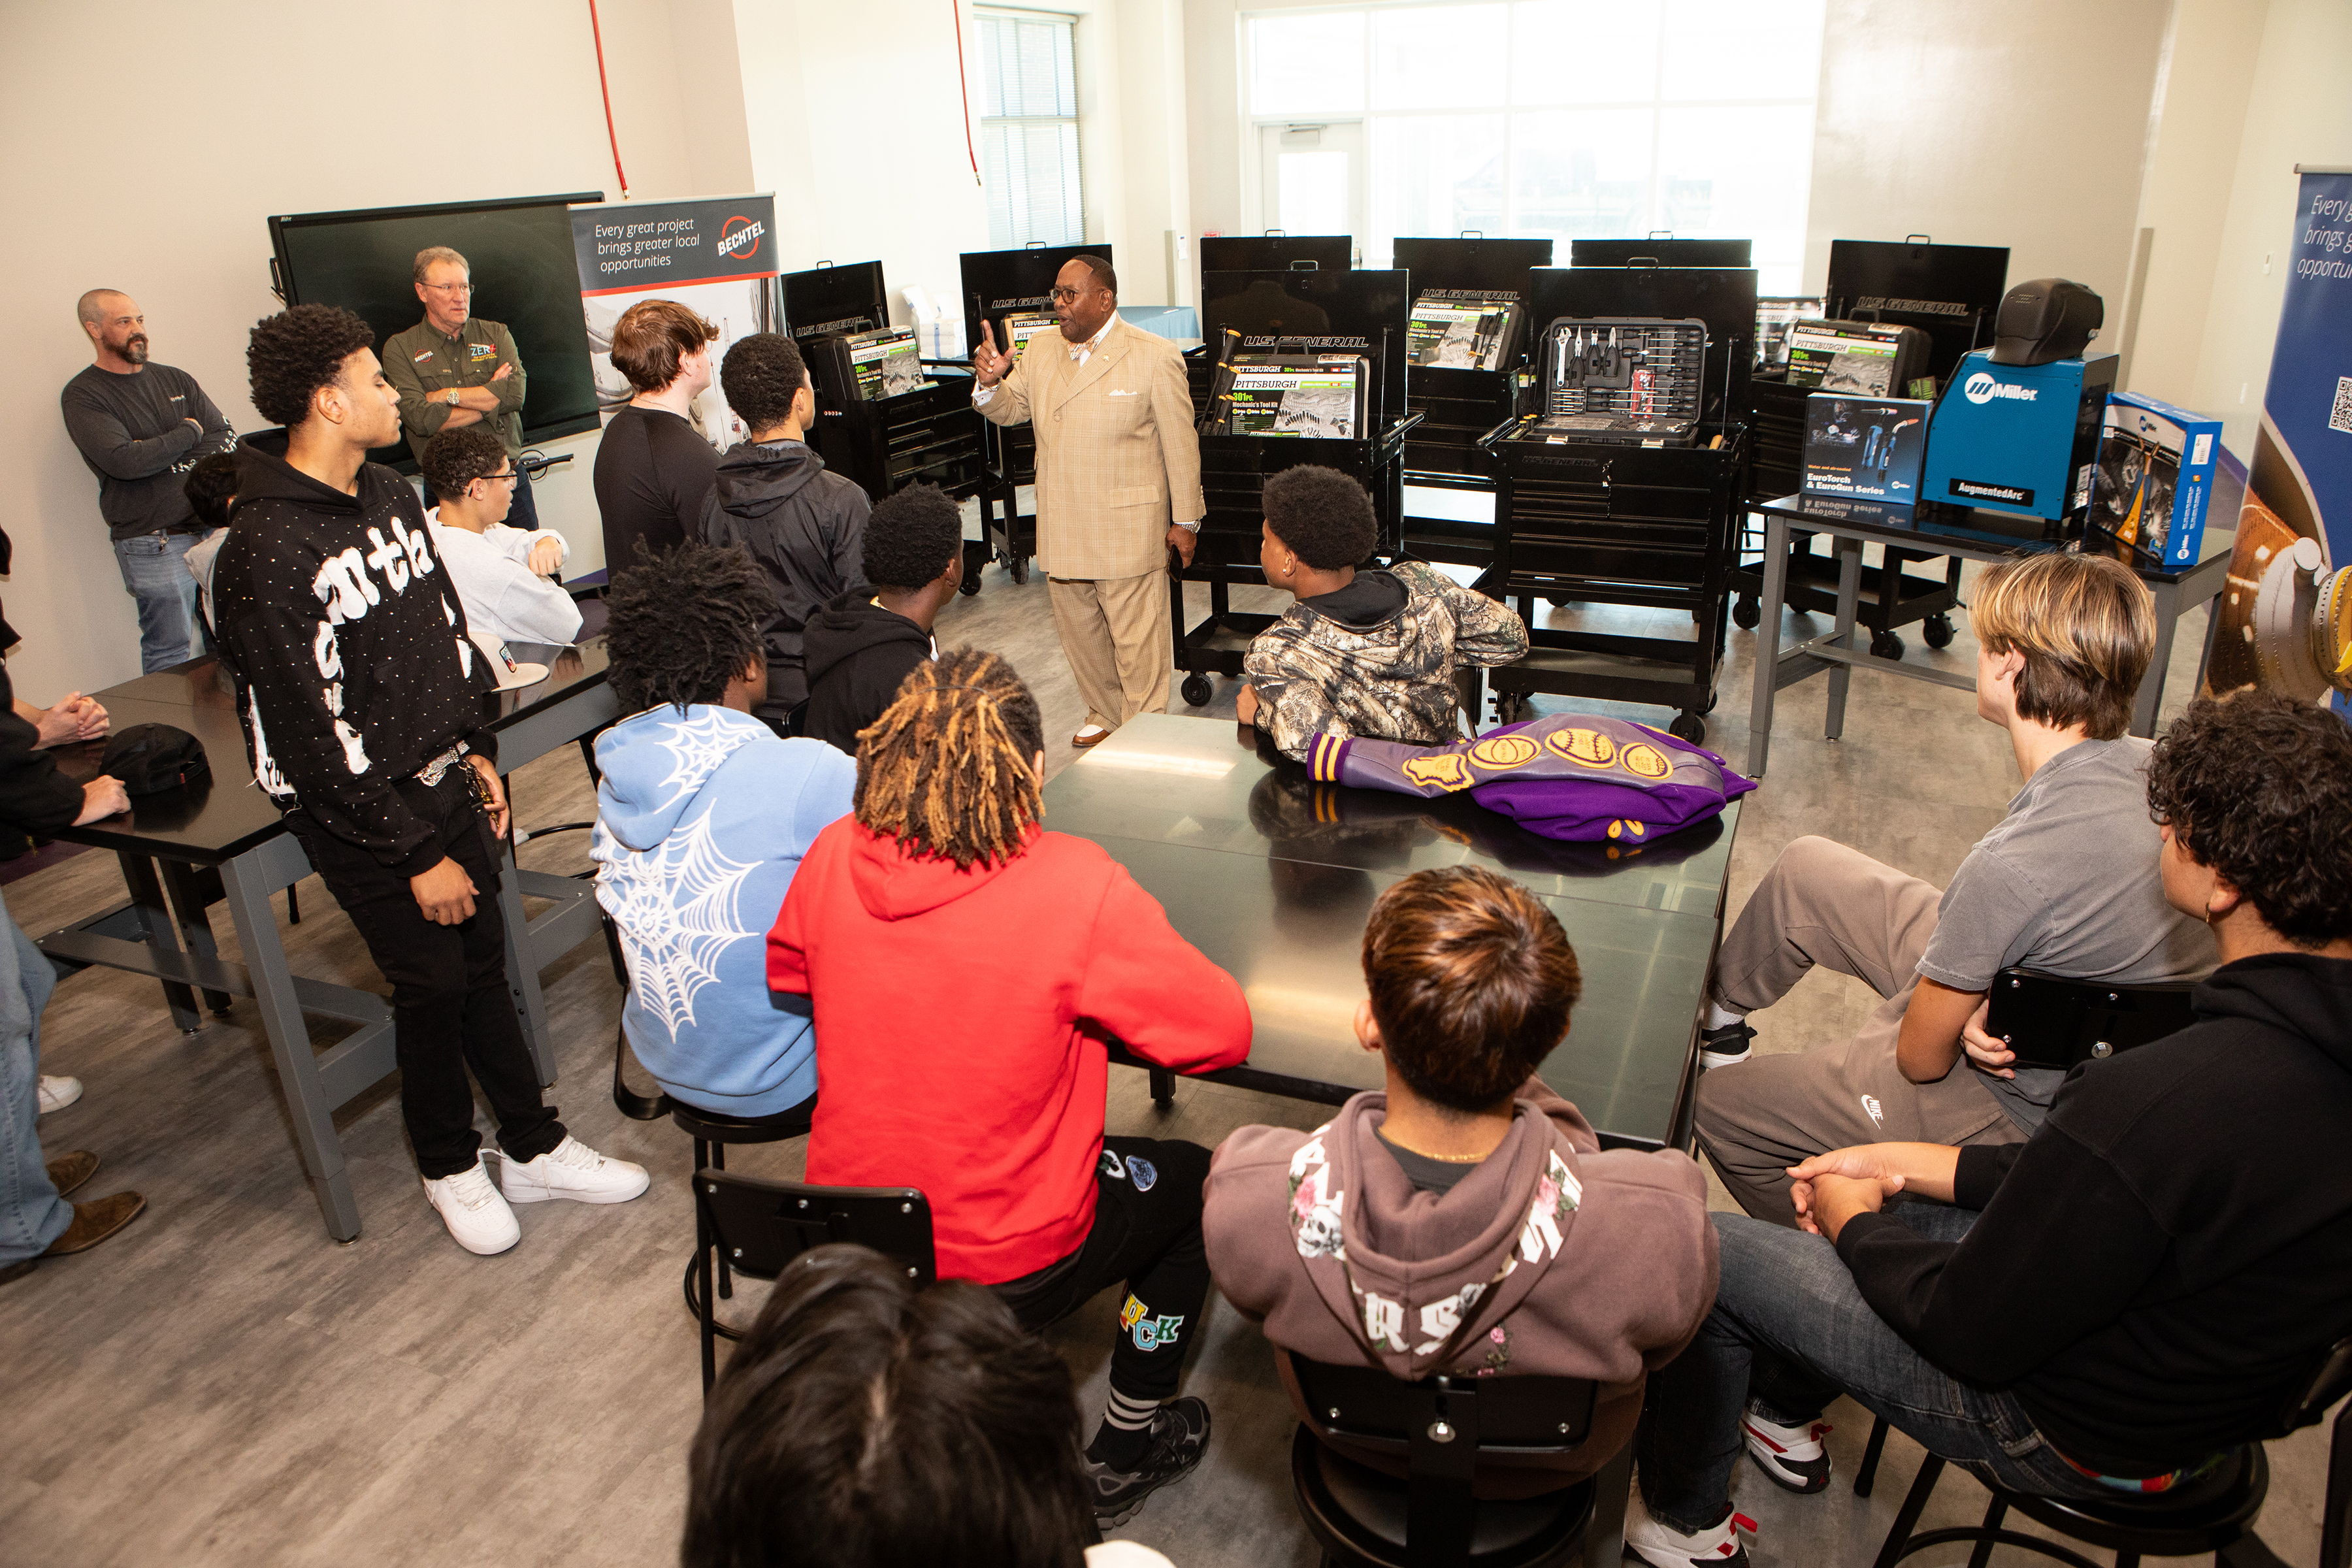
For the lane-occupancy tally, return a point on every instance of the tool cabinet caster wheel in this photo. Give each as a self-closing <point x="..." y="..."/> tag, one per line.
<point x="1019" y="566"/>
<point x="1939" y="630"/>
<point x="1689" y="727"/>
<point x="1197" y="691"/>
<point x="1886" y="645"/>
<point x="970" y="584"/>
<point x="1746" y="613"/>
<point x="1559" y="600"/>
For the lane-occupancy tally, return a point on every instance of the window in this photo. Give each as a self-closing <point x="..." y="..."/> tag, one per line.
<point x="1029" y="129"/>
<point x="1606" y="119"/>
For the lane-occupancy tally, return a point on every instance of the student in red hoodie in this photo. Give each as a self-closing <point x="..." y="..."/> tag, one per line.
<point x="964" y="966"/>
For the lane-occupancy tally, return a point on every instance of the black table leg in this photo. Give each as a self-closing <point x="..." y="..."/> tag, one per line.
<point x="191" y="903"/>
<point x="155" y="928"/>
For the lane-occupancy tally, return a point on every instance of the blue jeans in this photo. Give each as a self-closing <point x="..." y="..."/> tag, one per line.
<point x="1791" y="1329"/>
<point x="32" y="1216"/>
<point x="155" y="571"/>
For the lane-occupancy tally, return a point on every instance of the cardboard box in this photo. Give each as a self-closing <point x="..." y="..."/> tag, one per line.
<point x="2153" y="488"/>
<point x="1866" y="449"/>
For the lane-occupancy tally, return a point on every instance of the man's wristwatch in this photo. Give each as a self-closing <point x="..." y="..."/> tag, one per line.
<point x="1193" y="526"/>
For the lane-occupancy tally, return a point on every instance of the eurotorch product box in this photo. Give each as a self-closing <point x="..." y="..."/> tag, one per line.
<point x="1866" y="449"/>
<point x="2155" y="483"/>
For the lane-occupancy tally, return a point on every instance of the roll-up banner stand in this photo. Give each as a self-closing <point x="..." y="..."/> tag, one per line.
<point x="2287" y="613"/>
<point x="716" y="255"/>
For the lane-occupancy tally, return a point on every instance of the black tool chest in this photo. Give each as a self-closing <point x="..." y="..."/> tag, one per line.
<point x="1633" y="518"/>
<point x="1288" y="313"/>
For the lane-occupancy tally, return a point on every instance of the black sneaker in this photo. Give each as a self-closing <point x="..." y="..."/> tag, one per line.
<point x="1727" y="1047"/>
<point x="1179" y="1436"/>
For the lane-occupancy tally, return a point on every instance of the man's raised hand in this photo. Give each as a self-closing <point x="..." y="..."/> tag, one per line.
<point x="988" y="364"/>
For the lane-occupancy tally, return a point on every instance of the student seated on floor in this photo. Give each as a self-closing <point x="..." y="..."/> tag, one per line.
<point x="701" y="816"/>
<point x="866" y="1422"/>
<point x="2139" y="1286"/>
<point x="1465" y="1220"/>
<point x="966" y="966"/>
<point x="1368" y="653"/>
<point x="2065" y="882"/>
<point x="501" y="572"/>
<point x="862" y="644"/>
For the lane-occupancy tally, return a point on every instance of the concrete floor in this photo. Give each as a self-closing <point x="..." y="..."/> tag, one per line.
<point x="220" y="1384"/>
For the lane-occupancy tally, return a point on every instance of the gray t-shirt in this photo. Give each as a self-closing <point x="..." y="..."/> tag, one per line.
<point x="2068" y="881"/>
<point x="133" y="431"/>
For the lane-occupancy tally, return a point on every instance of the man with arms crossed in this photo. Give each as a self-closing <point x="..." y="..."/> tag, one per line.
<point x="1116" y="449"/>
<point x="2114" y="1304"/>
<point x="142" y="427"/>
<point x="361" y="694"/>
<point x="453" y="369"/>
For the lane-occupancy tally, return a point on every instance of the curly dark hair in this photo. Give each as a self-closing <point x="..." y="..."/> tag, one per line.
<point x="456" y="458"/>
<point x="210" y="486"/>
<point x="680" y="624"/>
<point x="947" y="766"/>
<point x="1324" y="516"/>
<point x="1471" y="980"/>
<point x="760" y="376"/>
<point x="866" y="1422"/>
<point x="911" y="537"/>
<point x="2259" y="789"/>
<point x="297" y="350"/>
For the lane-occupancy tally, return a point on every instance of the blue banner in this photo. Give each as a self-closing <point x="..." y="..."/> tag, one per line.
<point x="2287" y="616"/>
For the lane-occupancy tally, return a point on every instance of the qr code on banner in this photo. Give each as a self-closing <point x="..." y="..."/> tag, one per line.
<point x="2341" y="416"/>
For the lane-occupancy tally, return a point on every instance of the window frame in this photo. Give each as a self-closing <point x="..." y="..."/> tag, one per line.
<point x="1074" y="120"/>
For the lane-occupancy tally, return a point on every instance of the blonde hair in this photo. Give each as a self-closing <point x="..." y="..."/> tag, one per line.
<point x="432" y="254"/>
<point x="2086" y="627"/>
<point x="948" y="767"/>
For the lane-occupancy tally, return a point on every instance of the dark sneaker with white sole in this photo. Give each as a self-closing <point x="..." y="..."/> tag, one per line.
<point x="1727" y="1047"/>
<point x="1792" y="1455"/>
<point x="1180" y="1435"/>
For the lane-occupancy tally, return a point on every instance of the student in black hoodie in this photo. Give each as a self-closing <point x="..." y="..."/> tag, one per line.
<point x="773" y="495"/>
<point x="861" y="646"/>
<point x="2139" y="1286"/>
<point x="361" y="696"/>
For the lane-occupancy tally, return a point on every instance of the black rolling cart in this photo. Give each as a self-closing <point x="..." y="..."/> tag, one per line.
<point x="1457" y="404"/>
<point x="887" y="417"/>
<point x="1624" y="481"/>
<point x="1949" y="291"/>
<point x="1287" y="312"/>
<point x="1001" y="287"/>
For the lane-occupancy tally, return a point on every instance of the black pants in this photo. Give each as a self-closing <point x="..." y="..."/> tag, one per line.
<point x="1147" y="1233"/>
<point x="451" y="1006"/>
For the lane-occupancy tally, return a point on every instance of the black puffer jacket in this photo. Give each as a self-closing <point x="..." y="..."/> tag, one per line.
<point x="806" y="528"/>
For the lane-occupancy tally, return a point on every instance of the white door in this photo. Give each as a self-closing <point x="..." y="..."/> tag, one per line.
<point x="1311" y="179"/>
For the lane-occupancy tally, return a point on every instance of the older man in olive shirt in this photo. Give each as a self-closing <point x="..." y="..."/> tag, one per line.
<point x="453" y="370"/>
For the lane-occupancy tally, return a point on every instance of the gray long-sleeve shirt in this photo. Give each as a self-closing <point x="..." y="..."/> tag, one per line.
<point x="133" y="432"/>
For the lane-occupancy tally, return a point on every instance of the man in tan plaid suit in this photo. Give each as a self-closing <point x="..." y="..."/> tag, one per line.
<point x="1116" y="457"/>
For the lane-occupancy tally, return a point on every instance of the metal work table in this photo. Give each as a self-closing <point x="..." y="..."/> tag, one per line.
<point x="1272" y="874"/>
<point x="223" y="840"/>
<point x="1967" y="534"/>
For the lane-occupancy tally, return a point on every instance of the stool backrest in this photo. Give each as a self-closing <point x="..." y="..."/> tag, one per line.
<point x="2051" y="1021"/>
<point x="2331" y="1381"/>
<point x="760" y="1226"/>
<point x="1439" y="1425"/>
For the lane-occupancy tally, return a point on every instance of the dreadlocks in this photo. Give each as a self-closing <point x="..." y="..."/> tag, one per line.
<point x="947" y="766"/>
<point x="684" y="623"/>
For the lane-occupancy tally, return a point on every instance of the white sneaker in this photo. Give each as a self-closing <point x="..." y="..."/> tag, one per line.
<point x="57" y="1093"/>
<point x="1666" y="1547"/>
<point x="571" y="1169"/>
<point x="1792" y="1455"/>
<point x="477" y="1217"/>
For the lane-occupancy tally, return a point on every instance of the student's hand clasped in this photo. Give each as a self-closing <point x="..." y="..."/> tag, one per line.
<point x="1831" y="1181"/>
<point x="1986" y="1050"/>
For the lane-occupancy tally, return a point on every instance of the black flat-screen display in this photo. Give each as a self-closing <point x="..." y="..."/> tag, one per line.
<point x="836" y="299"/>
<point x="1259" y="252"/>
<point x="1664" y="252"/>
<point x="520" y="257"/>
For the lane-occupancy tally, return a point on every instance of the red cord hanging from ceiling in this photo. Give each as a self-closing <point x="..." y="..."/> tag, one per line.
<point x="964" y="85"/>
<point x="606" y="89"/>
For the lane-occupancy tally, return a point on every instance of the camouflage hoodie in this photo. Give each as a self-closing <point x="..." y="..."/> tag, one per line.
<point x="1388" y="678"/>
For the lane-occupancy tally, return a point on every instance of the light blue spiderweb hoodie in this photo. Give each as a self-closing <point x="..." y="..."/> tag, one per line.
<point x="701" y="820"/>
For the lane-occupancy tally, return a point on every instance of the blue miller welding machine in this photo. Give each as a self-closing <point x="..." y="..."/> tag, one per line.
<point x="2018" y="438"/>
